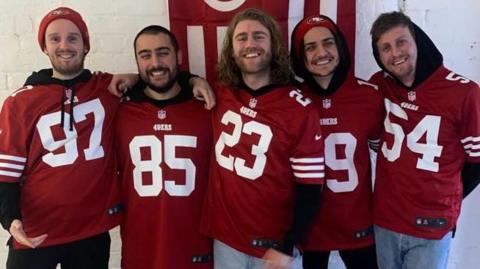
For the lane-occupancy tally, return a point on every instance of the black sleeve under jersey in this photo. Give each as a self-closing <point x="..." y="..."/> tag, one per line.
<point x="9" y="203"/>
<point x="470" y="177"/>
<point x="184" y="79"/>
<point x="307" y="203"/>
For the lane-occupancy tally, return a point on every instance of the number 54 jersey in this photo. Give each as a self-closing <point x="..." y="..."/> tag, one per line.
<point x="430" y="132"/>
<point x="266" y="141"/>
<point x="163" y="150"/>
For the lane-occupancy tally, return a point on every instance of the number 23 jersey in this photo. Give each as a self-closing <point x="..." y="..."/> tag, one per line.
<point x="266" y="141"/>
<point x="430" y="132"/>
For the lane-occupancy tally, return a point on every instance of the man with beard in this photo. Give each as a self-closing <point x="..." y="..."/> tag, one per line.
<point x="429" y="147"/>
<point x="267" y="174"/>
<point x="163" y="143"/>
<point x="320" y="56"/>
<point x="58" y="193"/>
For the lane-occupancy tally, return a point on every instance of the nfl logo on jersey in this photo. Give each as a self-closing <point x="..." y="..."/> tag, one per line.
<point x="412" y="96"/>
<point x="327" y="103"/>
<point x="252" y="103"/>
<point x="162" y="114"/>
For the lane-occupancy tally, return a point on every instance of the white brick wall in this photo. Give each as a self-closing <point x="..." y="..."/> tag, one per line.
<point x="453" y="25"/>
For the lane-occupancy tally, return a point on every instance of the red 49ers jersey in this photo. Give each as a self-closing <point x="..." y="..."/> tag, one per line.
<point x="266" y="141"/>
<point x="351" y="119"/>
<point x="429" y="134"/>
<point x="163" y="154"/>
<point x="69" y="188"/>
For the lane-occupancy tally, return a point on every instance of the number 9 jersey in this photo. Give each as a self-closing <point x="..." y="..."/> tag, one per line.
<point x="430" y="132"/>
<point x="351" y="119"/>
<point x="266" y="141"/>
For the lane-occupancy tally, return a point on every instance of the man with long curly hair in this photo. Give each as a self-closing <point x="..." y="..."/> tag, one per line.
<point x="267" y="175"/>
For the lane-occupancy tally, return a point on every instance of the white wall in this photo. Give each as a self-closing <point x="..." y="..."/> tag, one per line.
<point x="452" y="25"/>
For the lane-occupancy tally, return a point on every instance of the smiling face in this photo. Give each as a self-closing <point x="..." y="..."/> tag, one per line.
<point x="65" y="48"/>
<point x="157" y="61"/>
<point x="252" y="48"/>
<point x="321" y="54"/>
<point x="398" y="53"/>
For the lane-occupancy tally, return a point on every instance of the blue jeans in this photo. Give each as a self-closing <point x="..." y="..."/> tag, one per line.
<point x="401" y="251"/>
<point x="226" y="257"/>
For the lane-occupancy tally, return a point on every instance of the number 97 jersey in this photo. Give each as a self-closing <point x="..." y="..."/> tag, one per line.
<point x="266" y="141"/>
<point x="163" y="153"/>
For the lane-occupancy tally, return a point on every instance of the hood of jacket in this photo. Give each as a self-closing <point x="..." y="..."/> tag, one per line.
<point x="429" y="58"/>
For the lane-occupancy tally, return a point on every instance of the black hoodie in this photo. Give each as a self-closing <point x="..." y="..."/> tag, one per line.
<point x="429" y="58"/>
<point x="340" y="73"/>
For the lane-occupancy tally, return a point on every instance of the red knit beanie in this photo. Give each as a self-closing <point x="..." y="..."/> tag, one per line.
<point x="305" y="25"/>
<point x="63" y="13"/>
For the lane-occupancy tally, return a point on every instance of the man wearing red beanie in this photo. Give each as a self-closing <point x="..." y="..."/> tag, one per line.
<point x="320" y="57"/>
<point x="58" y="191"/>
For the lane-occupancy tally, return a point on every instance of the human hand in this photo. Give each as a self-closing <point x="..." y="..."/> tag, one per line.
<point x="203" y="91"/>
<point x="120" y="83"/>
<point x="275" y="259"/>
<point x="17" y="232"/>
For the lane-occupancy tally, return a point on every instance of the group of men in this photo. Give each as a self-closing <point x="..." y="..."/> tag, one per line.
<point x="278" y="167"/>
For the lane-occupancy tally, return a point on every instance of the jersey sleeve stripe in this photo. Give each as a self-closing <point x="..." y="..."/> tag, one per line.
<point x="10" y="174"/>
<point x="308" y="167"/>
<point x="309" y="175"/>
<point x="13" y="158"/>
<point x="470" y="139"/>
<point x="307" y="160"/>
<point x="471" y="146"/>
<point x="472" y="154"/>
<point x="12" y="166"/>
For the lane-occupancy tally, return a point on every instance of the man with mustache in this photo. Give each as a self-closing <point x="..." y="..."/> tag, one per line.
<point x="320" y="56"/>
<point x="163" y="143"/>
<point x="431" y="145"/>
<point x="267" y="174"/>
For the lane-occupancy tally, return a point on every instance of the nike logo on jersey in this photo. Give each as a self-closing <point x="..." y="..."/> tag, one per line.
<point x="318" y="137"/>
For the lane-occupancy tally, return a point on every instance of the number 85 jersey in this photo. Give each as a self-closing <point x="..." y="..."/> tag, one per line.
<point x="163" y="151"/>
<point x="266" y="141"/>
<point x="430" y="132"/>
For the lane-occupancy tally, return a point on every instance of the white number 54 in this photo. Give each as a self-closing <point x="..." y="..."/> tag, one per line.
<point x="428" y="126"/>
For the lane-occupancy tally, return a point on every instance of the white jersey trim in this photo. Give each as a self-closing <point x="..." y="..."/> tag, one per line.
<point x="471" y="146"/>
<point x="307" y="160"/>
<point x="308" y="167"/>
<point x="13" y="166"/>
<point x="470" y="139"/>
<point x="13" y="158"/>
<point x="309" y="175"/>
<point x="10" y="174"/>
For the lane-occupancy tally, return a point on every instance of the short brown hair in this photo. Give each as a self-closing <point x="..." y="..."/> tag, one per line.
<point x="387" y="21"/>
<point x="229" y="73"/>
